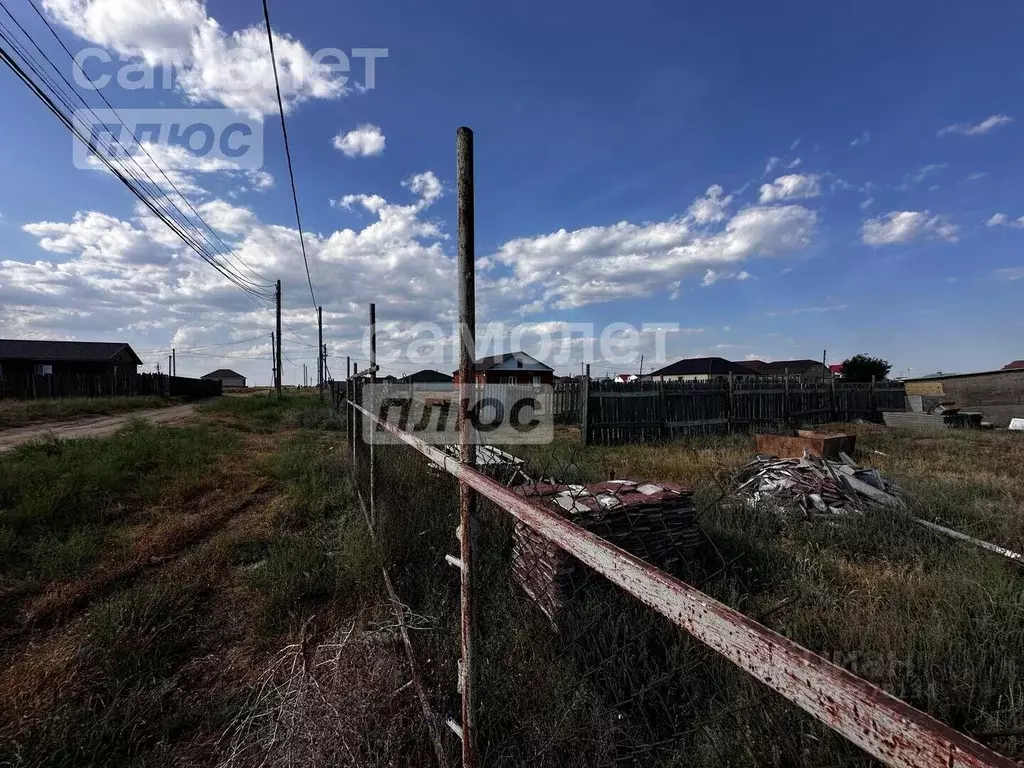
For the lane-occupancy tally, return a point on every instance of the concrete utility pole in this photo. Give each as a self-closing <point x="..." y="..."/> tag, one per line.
<point x="277" y="376"/>
<point x="273" y="361"/>
<point x="174" y="362"/>
<point x="169" y="368"/>
<point x="320" y="347"/>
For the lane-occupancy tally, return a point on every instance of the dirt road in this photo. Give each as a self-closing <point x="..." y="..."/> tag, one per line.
<point x="91" y="426"/>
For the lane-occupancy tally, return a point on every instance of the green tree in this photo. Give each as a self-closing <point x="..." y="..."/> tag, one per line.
<point x="863" y="367"/>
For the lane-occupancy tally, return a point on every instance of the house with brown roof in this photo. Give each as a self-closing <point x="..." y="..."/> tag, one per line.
<point x="1014" y="366"/>
<point x="510" y="368"/>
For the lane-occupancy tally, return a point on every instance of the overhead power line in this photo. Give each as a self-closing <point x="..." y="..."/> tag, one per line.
<point x="287" y="149"/>
<point x="61" y="103"/>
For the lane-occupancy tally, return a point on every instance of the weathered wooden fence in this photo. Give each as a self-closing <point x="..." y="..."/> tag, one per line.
<point x="106" y="385"/>
<point x="566" y="401"/>
<point x="646" y="411"/>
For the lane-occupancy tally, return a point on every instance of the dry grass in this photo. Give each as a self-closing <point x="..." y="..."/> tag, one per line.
<point x="178" y="559"/>
<point x="931" y="620"/>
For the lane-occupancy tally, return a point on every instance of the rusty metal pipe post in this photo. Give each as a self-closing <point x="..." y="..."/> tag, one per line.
<point x="320" y="372"/>
<point x="372" y="427"/>
<point x="277" y="369"/>
<point x="467" y="451"/>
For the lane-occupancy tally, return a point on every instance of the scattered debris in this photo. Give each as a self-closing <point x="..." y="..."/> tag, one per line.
<point x="654" y="521"/>
<point x="819" y="488"/>
<point x="815" y="486"/>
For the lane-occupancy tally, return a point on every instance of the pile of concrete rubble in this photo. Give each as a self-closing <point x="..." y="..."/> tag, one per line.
<point x="814" y="486"/>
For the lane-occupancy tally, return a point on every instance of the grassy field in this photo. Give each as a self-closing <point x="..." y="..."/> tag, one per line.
<point x="154" y="582"/>
<point x="207" y="594"/>
<point x="17" y="413"/>
<point x="933" y="621"/>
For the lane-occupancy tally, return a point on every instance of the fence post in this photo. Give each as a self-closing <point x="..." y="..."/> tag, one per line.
<point x="277" y="368"/>
<point x="467" y="451"/>
<point x="321" y="373"/>
<point x="785" y="396"/>
<point x="832" y="400"/>
<point x="585" y="410"/>
<point x="372" y="426"/>
<point x="872" y="401"/>
<point x="731" y="406"/>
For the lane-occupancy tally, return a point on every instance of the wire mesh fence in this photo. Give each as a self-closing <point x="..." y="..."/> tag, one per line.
<point x="573" y="669"/>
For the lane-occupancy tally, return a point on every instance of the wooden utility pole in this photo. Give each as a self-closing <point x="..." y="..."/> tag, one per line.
<point x="320" y="348"/>
<point x="170" y="369"/>
<point x="273" y="361"/>
<point x="348" y="367"/>
<point x="466" y="250"/>
<point x="277" y="369"/>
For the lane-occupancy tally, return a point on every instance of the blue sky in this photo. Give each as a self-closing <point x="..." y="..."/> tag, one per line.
<point x="777" y="180"/>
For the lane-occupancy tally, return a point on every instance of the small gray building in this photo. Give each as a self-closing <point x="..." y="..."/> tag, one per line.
<point x="226" y="377"/>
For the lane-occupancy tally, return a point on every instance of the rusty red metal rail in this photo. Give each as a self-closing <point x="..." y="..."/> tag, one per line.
<point x="877" y="722"/>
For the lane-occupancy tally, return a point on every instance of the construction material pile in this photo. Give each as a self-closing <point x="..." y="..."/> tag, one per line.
<point x="815" y="487"/>
<point x="654" y="521"/>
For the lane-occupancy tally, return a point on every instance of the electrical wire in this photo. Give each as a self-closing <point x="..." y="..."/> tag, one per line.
<point x="141" y="146"/>
<point x="180" y="225"/>
<point x="287" y="149"/>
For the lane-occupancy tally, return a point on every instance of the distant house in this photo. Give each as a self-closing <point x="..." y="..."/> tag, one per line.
<point x="510" y="368"/>
<point x="1014" y="366"/>
<point x="66" y="358"/>
<point x="837" y="370"/>
<point x="427" y="376"/>
<point x="625" y="378"/>
<point x="226" y="377"/>
<point x="701" y="369"/>
<point x="806" y="370"/>
<point x="428" y="379"/>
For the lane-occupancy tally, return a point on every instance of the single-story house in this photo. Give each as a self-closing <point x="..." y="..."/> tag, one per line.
<point x="510" y="368"/>
<point x="226" y="377"/>
<point x="22" y="357"/>
<point x="700" y="369"/>
<point x="1014" y="366"/>
<point x="805" y="370"/>
<point x="427" y="376"/>
<point x="998" y="395"/>
<point x="428" y="379"/>
<point x="837" y="370"/>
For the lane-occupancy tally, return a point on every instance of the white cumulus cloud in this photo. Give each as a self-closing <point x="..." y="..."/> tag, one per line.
<point x="365" y="141"/>
<point x="792" y="186"/>
<point x="1002" y="220"/>
<point x="210" y="64"/>
<point x="906" y="226"/>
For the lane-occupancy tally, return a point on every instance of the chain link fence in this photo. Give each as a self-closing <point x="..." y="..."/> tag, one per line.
<point x="573" y="670"/>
